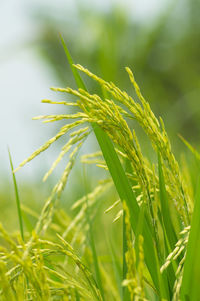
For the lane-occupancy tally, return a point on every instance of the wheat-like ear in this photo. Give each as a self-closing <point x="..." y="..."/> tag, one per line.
<point x="45" y="278"/>
<point x="111" y="118"/>
<point x="150" y="195"/>
<point x="153" y="127"/>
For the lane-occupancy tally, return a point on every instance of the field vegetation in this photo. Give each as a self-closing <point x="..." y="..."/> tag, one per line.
<point x="127" y="226"/>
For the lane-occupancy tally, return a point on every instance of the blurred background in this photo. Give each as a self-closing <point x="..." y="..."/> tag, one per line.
<point x="158" y="40"/>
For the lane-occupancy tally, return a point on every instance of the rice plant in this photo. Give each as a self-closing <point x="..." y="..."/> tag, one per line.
<point x="156" y="208"/>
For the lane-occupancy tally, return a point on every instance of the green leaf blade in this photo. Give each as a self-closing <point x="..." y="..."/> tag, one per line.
<point x="17" y="197"/>
<point x="124" y="189"/>
<point x="190" y="289"/>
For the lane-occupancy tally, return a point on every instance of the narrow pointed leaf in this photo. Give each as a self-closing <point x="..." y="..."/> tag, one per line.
<point x="190" y="147"/>
<point x="190" y="289"/>
<point x="17" y="197"/>
<point x="122" y="184"/>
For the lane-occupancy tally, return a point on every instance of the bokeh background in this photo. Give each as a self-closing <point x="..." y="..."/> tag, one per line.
<point x="158" y="40"/>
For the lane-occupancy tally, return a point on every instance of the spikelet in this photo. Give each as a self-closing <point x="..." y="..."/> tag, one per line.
<point x="178" y="281"/>
<point x="45" y="146"/>
<point x="94" y="158"/>
<point x="75" y="137"/>
<point x="179" y="248"/>
<point x="52" y="118"/>
<point x="59" y="102"/>
<point x="50" y="204"/>
<point x="118" y="216"/>
<point x="112" y="206"/>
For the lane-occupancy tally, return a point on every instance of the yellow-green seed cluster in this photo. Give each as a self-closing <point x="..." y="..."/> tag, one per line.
<point x="28" y="270"/>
